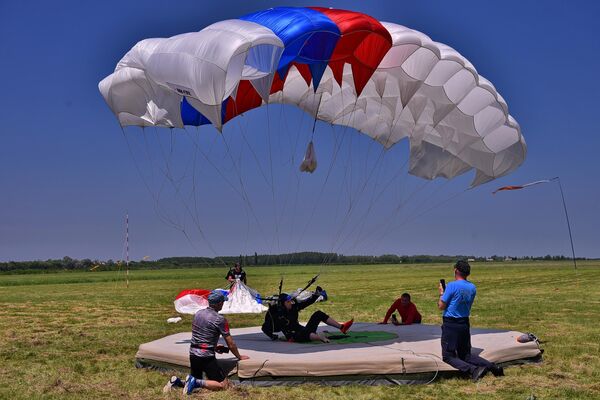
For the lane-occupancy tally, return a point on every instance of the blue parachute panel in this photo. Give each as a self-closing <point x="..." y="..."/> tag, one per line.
<point x="309" y="36"/>
<point x="191" y="116"/>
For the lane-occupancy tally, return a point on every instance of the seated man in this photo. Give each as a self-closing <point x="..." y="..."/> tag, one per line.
<point x="407" y="310"/>
<point x="283" y="317"/>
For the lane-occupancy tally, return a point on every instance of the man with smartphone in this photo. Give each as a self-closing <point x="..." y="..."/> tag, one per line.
<point x="455" y="301"/>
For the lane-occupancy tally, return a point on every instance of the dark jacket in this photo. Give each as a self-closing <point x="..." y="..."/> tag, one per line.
<point x="280" y="319"/>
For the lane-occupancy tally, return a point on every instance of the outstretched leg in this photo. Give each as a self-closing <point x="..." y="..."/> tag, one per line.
<point x="316" y="319"/>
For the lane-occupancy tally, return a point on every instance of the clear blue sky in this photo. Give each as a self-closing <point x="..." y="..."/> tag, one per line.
<point x="67" y="176"/>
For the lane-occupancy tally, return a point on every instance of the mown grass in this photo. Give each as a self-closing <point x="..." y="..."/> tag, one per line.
<point x="74" y="335"/>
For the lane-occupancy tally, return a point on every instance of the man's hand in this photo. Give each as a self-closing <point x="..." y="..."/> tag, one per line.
<point x="221" y="349"/>
<point x="243" y="357"/>
<point x="440" y="287"/>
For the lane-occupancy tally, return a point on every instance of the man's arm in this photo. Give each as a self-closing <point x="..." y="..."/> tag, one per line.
<point x="441" y="304"/>
<point x="302" y="305"/>
<point x="233" y="348"/>
<point x="393" y="307"/>
<point x="267" y="326"/>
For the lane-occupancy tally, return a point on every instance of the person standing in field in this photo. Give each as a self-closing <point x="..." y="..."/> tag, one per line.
<point x="236" y="273"/>
<point x="207" y="327"/>
<point x="407" y="310"/>
<point x="456" y="302"/>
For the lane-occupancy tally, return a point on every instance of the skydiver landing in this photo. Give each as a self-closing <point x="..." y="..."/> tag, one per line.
<point x="283" y="317"/>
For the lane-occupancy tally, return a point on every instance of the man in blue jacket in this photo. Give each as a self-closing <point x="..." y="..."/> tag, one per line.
<point x="456" y="302"/>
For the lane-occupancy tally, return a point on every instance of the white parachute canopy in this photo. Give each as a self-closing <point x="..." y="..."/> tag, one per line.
<point x="418" y="90"/>
<point x="241" y="300"/>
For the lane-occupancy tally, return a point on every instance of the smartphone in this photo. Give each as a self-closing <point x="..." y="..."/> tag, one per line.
<point x="443" y="283"/>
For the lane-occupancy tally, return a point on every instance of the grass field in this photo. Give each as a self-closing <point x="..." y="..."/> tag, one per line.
<point x="74" y="335"/>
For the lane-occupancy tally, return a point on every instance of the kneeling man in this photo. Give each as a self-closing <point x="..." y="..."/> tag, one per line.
<point x="207" y="327"/>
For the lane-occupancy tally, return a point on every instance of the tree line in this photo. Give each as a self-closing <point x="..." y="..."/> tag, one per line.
<point x="301" y="258"/>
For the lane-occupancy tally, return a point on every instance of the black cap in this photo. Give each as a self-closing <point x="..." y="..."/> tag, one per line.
<point x="284" y="297"/>
<point x="463" y="267"/>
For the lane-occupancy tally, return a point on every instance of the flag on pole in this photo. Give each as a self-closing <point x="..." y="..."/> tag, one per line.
<point x="562" y="195"/>
<point x="517" y="187"/>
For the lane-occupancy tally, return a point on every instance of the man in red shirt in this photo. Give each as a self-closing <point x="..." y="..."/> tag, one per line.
<point x="407" y="310"/>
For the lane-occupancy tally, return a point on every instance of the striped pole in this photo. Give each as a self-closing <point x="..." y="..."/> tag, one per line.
<point x="127" y="246"/>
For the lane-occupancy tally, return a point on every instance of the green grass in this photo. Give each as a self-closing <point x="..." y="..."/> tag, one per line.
<point x="74" y="335"/>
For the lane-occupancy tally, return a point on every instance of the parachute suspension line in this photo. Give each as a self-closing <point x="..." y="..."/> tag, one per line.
<point x="315" y="117"/>
<point x="245" y="139"/>
<point x="320" y="193"/>
<point x="177" y="188"/>
<point x="329" y="171"/>
<point x="276" y="241"/>
<point x="370" y="234"/>
<point x="362" y="221"/>
<point x="351" y="207"/>
<point x="162" y="214"/>
<point x="349" y="210"/>
<point x="167" y="170"/>
<point x="348" y="171"/>
<point x="294" y="176"/>
<point x="411" y="218"/>
<point x="242" y="190"/>
<point x="377" y="196"/>
<point x="194" y="185"/>
<point x="248" y="217"/>
<point x="157" y="207"/>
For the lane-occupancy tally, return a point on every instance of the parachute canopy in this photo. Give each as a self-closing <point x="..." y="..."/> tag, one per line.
<point x="342" y="67"/>
<point x="241" y="300"/>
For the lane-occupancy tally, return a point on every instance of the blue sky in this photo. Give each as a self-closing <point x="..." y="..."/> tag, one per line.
<point x="68" y="174"/>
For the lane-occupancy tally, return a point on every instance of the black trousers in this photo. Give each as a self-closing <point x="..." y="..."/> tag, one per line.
<point x="456" y="346"/>
<point x="208" y="365"/>
<point x="303" y="335"/>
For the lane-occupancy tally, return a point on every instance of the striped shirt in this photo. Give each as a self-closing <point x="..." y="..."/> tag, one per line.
<point x="207" y="327"/>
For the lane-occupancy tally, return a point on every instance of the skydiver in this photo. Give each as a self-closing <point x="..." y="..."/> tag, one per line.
<point x="283" y="317"/>
<point x="236" y="273"/>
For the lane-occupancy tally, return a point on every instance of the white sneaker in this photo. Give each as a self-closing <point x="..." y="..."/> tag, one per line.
<point x="174" y="381"/>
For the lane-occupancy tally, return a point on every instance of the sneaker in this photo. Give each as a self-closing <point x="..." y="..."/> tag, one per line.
<point x="346" y="326"/>
<point x="497" y="371"/>
<point x="174" y="381"/>
<point x="190" y="385"/>
<point x="395" y="320"/>
<point x="478" y="373"/>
